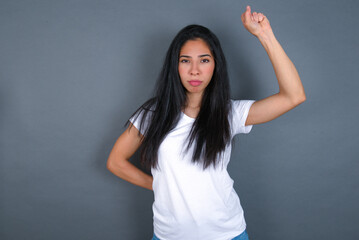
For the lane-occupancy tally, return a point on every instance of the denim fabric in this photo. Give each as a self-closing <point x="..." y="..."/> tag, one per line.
<point x="242" y="236"/>
<point x="155" y="237"/>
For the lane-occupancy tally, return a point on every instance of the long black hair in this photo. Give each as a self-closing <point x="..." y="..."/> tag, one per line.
<point x="211" y="129"/>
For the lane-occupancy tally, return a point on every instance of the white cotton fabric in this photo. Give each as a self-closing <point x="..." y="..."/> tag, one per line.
<point x="190" y="203"/>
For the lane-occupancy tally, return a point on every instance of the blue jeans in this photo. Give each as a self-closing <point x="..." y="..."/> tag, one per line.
<point x="242" y="236"/>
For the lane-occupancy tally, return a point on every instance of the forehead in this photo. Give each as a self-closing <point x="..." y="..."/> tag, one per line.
<point x="195" y="46"/>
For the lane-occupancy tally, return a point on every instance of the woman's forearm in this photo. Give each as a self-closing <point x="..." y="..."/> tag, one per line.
<point x="285" y="71"/>
<point x="129" y="172"/>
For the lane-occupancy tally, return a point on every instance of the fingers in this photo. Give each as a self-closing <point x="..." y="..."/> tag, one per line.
<point x="247" y="15"/>
<point x="258" y="17"/>
<point x="255" y="16"/>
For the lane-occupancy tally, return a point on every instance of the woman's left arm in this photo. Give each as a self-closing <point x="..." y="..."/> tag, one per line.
<point x="291" y="91"/>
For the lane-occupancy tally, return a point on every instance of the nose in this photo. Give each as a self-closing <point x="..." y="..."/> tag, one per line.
<point x="194" y="69"/>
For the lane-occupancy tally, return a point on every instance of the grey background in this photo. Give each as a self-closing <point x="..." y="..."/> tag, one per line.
<point x="72" y="72"/>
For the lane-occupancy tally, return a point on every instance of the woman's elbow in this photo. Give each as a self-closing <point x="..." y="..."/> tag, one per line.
<point x="113" y="163"/>
<point x="299" y="100"/>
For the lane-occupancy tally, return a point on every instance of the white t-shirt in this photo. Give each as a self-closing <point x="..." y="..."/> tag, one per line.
<point x="192" y="203"/>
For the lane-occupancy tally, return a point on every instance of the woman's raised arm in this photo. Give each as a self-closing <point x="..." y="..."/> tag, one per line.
<point x="291" y="91"/>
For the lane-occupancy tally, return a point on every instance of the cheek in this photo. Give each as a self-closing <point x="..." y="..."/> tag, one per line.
<point x="181" y="73"/>
<point x="209" y="70"/>
<point x="181" y="70"/>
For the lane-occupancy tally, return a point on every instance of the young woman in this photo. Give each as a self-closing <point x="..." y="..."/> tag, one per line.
<point x="185" y="132"/>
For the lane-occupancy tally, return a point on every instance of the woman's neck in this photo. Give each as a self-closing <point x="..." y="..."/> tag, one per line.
<point x="194" y="100"/>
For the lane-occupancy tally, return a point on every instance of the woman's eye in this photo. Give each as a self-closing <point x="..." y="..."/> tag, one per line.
<point x="186" y="61"/>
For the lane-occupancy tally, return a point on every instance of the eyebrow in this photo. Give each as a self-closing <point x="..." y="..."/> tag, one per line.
<point x="203" y="55"/>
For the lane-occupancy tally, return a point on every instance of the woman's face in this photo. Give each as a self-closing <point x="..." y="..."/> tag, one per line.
<point x="196" y="65"/>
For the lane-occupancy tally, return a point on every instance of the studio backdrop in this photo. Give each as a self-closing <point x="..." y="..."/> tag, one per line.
<point x="73" y="72"/>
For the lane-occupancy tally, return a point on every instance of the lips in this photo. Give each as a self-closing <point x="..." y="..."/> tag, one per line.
<point x="195" y="82"/>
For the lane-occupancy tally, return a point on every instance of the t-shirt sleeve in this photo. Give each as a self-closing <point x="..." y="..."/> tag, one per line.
<point x="240" y="110"/>
<point x="136" y="121"/>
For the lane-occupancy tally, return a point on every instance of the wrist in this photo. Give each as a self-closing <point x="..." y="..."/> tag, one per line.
<point x="267" y="39"/>
<point x="265" y="35"/>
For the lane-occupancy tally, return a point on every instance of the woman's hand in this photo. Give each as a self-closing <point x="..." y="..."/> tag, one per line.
<point x="255" y="23"/>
